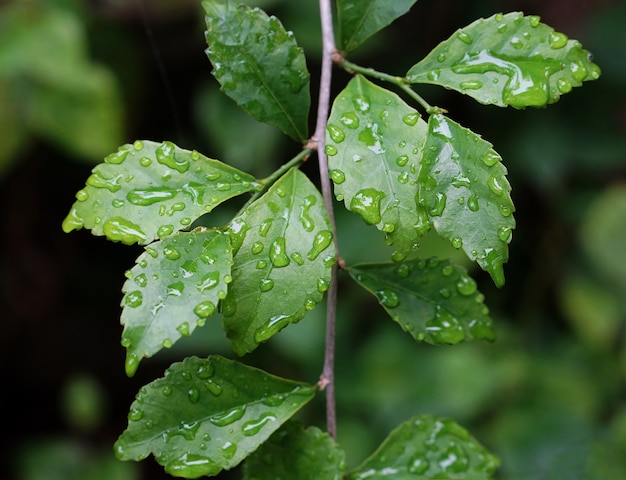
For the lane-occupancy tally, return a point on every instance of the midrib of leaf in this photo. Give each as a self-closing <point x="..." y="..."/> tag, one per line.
<point x="365" y="16"/>
<point x="261" y="79"/>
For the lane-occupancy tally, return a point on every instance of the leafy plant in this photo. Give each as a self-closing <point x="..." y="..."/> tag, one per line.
<point x="275" y="260"/>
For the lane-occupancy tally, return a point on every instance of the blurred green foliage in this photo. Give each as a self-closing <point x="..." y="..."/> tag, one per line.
<point x="79" y="78"/>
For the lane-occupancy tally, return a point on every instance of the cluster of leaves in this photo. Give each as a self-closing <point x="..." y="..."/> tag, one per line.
<point x="272" y="262"/>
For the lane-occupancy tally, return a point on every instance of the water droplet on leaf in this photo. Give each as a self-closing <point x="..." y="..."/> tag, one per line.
<point x="366" y="202"/>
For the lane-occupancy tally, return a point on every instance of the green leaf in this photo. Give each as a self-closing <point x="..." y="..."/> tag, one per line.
<point x="428" y="447"/>
<point x="207" y="415"/>
<point x="465" y="193"/>
<point x="174" y="287"/>
<point x="259" y="65"/>
<point x="435" y="301"/>
<point x="296" y="453"/>
<point x="360" y="19"/>
<point x="149" y="190"/>
<point x="507" y="60"/>
<point x="374" y="141"/>
<point x="284" y="251"/>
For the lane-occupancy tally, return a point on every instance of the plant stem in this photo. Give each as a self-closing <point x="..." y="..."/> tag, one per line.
<point x="327" y="379"/>
<point x="268" y="181"/>
<point x="401" y="82"/>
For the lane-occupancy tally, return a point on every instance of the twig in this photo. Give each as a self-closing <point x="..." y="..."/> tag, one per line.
<point x="327" y="379"/>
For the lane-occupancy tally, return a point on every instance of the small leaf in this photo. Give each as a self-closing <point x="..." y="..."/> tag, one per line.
<point x="433" y="300"/>
<point x="296" y="453"/>
<point x="174" y="287"/>
<point x="360" y="19"/>
<point x="507" y="60"/>
<point x="464" y="191"/>
<point x="284" y="251"/>
<point x="150" y="190"/>
<point x="428" y="447"/>
<point x="207" y="415"/>
<point x="259" y="65"/>
<point x="374" y="141"/>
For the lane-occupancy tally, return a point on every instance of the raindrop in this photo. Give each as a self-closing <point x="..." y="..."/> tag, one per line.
<point x="204" y="371"/>
<point x="135" y="414"/>
<point x="228" y="417"/>
<point x="502" y="28"/>
<point x="579" y="71"/>
<point x="117" y="157"/>
<point x="165" y="230"/>
<point x="321" y="241"/>
<point x="322" y="285"/>
<point x="266" y="284"/>
<point x="558" y="40"/>
<point x="337" y="176"/>
<point x="193" y="394"/>
<point x="336" y="133"/>
<point x="411" y="118"/>
<point x="403" y="178"/>
<point x="278" y="255"/>
<point x="471" y="85"/>
<point x="534" y="20"/>
<point x="464" y="37"/>
<point x="175" y="289"/>
<point x="433" y="75"/>
<point x="564" y="85"/>
<point x="131" y="364"/>
<point x="272" y="327"/>
<point x="297" y="257"/>
<point x="490" y="158"/>
<point x="138" y="145"/>
<point x="330" y="150"/>
<point x="261" y="264"/>
<point x="305" y="219"/>
<point x="457" y="242"/>
<point x="466" y="285"/>
<point x="439" y="204"/>
<point x="362" y="103"/>
<point x="441" y="57"/>
<point x="472" y="203"/>
<point x="171" y="253"/>
<point x="505" y="233"/>
<point x="444" y="328"/>
<point x="253" y="427"/>
<point x="494" y="186"/>
<point x="98" y="180"/>
<point x="447" y="270"/>
<point x="208" y="281"/>
<point x="388" y="298"/>
<point x="366" y="202"/>
<point x="133" y="299"/>
<point x="82" y="195"/>
<point x="505" y="210"/>
<point x="419" y="465"/>
<point x="145" y="161"/>
<point x="166" y="155"/>
<point x="257" y="247"/>
<point x="350" y="120"/>
<point x="402" y="160"/>
<point x="403" y="270"/>
<point x="445" y="293"/>
<point x="167" y="390"/>
<point x="214" y="388"/>
<point x="309" y="304"/>
<point x="204" y="309"/>
<point x="229" y="449"/>
<point x="265" y="226"/>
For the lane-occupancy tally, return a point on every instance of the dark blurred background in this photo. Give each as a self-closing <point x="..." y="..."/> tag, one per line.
<point x="78" y="78"/>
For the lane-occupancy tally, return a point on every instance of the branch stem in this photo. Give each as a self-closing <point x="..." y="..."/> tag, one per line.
<point x="327" y="379"/>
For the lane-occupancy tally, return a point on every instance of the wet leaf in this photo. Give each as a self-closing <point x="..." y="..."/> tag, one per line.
<point x="360" y="19"/>
<point x="284" y="251"/>
<point x="259" y="65"/>
<point x="428" y="447"/>
<point x="374" y="141"/>
<point x="507" y="60"/>
<point x="434" y="300"/>
<point x="464" y="192"/>
<point x="207" y="415"/>
<point x="150" y="190"/>
<point x="296" y="453"/>
<point x="174" y="287"/>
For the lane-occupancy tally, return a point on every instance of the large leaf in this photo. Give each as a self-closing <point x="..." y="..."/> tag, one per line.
<point x="174" y="287"/>
<point x="465" y="193"/>
<point x="284" y="249"/>
<point x="360" y="19"/>
<point x="207" y="415"/>
<point x="428" y="447"/>
<point x="433" y="300"/>
<point x="259" y="65"/>
<point x="374" y="141"/>
<point x="507" y="60"/>
<point x="150" y="190"/>
<point x="296" y="453"/>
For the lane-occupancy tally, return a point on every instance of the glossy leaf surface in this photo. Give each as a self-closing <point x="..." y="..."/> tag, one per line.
<point x="374" y="142"/>
<point x="206" y="415"/>
<point x="150" y="190"/>
<point x="296" y="453"/>
<point x="259" y="65"/>
<point x="174" y="287"/>
<point x="433" y="300"/>
<point x="428" y="447"/>
<point x="360" y="19"/>
<point x="464" y="191"/>
<point x="507" y="60"/>
<point x="284" y="250"/>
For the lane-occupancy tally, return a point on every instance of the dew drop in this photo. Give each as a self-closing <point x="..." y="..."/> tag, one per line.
<point x="350" y="120"/>
<point x="494" y="186"/>
<point x="558" y="40"/>
<point x="403" y="270"/>
<point x="165" y="230"/>
<point x="388" y="298"/>
<point x="253" y="427"/>
<point x="309" y="304"/>
<point x="362" y="103"/>
<point x="403" y="178"/>
<point x="228" y="417"/>
<point x="145" y="161"/>
<point x="322" y="285"/>
<point x="366" y="202"/>
<point x="330" y="150"/>
<point x="297" y="257"/>
<point x="445" y="293"/>
<point x="439" y="204"/>
<point x="457" y="242"/>
<point x="166" y="155"/>
<point x="193" y="394"/>
<point x="214" y="388"/>
<point x="444" y="328"/>
<point x="266" y="284"/>
<point x="204" y="309"/>
<point x="337" y="176"/>
<point x="138" y="145"/>
<point x="418" y="465"/>
<point x="534" y="20"/>
<point x="411" y="119"/>
<point x="433" y="75"/>
<point x="82" y="195"/>
<point x="517" y="43"/>
<point x="98" y="180"/>
<point x="321" y="241"/>
<point x="166" y="391"/>
<point x="402" y="160"/>
<point x="466" y="285"/>
<point x="205" y="370"/>
<point x="447" y="270"/>
<point x="133" y="299"/>
<point x="471" y="85"/>
<point x="441" y="57"/>
<point x="305" y="219"/>
<point x="336" y="133"/>
<point x="490" y="158"/>
<point x="464" y="37"/>
<point x="131" y="364"/>
<point x="472" y="203"/>
<point x="261" y="264"/>
<point x="272" y="327"/>
<point x="265" y="226"/>
<point x="505" y="210"/>
<point x="278" y="254"/>
<point x="564" y="85"/>
<point x="505" y="233"/>
<point x="257" y="247"/>
<point x="135" y="414"/>
<point x="229" y="450"/>
<point x="171" y="253"/>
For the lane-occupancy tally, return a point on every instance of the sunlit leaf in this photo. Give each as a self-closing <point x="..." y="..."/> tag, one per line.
<point x="207" y="415"/>
<point x="284" y="251"/>
<point x="465" y="193"/>
<point x="374" y="141"/>
<point x="259" y="65"/>
<point x="507" y="60"/>
<point x="428" y="447"/>
<point x="174" y="287"/>
<point x="150" y="190"/>
<point x="433" y="300"/>
<point x="296" y="453"/>
<point x="360" y="19"/>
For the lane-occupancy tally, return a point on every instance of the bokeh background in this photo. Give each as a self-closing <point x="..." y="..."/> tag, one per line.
<point x="78" y="78"/>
